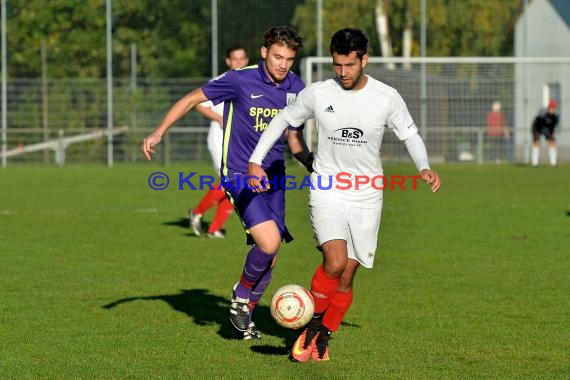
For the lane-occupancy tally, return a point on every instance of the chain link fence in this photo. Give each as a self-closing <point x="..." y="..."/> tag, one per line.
<point x="451" y="116"/>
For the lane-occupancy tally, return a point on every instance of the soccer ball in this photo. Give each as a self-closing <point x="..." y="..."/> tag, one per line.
<point x="292" y="306"/>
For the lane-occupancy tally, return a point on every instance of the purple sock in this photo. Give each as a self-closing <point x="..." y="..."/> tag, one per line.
<point x="259" y="288"/>
<point x="256" y="265"/>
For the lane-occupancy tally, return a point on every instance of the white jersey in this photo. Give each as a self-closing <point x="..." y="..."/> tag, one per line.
<point x="215" y="138"/>
<point x="350" y="127"/>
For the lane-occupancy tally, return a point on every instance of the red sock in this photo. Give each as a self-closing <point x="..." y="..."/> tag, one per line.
<point x="211" y="198"/>
<point x="223" y="212"/>
<point x="340" y="302"/>
<point x="322" y="289"/>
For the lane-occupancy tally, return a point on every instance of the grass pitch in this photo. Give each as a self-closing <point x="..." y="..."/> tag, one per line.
<point x="101" y="278"/>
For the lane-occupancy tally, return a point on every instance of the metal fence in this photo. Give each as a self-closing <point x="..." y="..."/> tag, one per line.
<point x="448" y="97"/>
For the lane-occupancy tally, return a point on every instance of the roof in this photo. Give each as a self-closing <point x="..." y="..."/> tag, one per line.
<point x="563" y="9"/>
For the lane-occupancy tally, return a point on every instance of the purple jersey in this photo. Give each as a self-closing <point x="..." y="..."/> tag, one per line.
<point x="251" y="101"/>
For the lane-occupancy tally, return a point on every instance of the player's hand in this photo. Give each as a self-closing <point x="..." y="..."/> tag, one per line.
<point x="431" y="178"/>
<point x="148" y="144"/>
<point x="256" y="176"/>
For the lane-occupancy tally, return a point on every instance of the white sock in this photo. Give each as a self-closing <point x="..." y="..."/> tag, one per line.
<point x="534" y="156"/>
<point x="552" y="154"/>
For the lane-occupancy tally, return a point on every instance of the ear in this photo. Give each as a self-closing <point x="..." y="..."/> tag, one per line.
<point x="228" y="62"/>
<point x="365" y="60"/>
<point x="263" y="52"/>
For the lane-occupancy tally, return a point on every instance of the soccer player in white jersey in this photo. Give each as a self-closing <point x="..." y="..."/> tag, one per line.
<point x="236" y="57"/>
<point x="352" y="111"/>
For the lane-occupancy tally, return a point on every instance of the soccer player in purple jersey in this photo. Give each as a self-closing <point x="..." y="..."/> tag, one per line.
<point x="253" y="95"/>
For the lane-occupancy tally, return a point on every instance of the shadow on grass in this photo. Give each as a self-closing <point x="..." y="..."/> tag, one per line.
<point x="181" y="222"/>
<point x="207" y="309"/>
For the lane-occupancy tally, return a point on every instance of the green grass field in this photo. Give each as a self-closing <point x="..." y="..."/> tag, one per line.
<point x="100" y="278"/>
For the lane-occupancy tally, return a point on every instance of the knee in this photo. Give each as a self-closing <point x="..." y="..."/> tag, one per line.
<point x="334" y="268"/>
<point x="267" y="236"/>
<point x="269" y="244"/>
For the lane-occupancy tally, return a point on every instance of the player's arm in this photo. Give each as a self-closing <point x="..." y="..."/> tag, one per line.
<point x="299" y="148"/>
<point x="417" y="149"/>
<point x="210" y="114"/>
<point x="179" y="109"/>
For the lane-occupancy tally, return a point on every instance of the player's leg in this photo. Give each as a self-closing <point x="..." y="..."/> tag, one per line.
<point x="324" y="285"/>
<point x="258" y="261"/>
<point x="266" y="230"/>
<point x="209" y="200"/>
<point x="330" y="228"/>
<point x="256" y="293"/>
<point x="215" y="194"/>
<point x="361" y="244"/>
<point x="535" y="152"/>
<point x="340" y="302"/>
<point x="552" y="149"/>
<point x="223" y="212"/>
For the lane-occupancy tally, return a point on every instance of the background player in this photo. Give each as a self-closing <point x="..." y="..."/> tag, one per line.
<point x="352" y="112"/>
<point x="543" y="125"/>
<point x="236" y="57"/>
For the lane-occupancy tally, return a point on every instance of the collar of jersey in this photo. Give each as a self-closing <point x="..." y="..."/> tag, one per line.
<point x="283" y="86"/>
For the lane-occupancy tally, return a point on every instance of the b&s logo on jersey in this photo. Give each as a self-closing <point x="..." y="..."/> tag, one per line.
<point x="348" y="137"/>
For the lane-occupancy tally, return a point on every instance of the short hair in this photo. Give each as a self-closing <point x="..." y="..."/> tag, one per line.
<point x="283" y="35"/>
<point x="348" y="40"/>
<point x="233" y="48"/>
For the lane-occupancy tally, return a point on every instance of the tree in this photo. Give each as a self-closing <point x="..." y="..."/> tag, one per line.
<point x="454" y="28"/>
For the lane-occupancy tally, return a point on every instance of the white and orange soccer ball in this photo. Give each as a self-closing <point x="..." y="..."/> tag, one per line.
<point x="292" y="306"/>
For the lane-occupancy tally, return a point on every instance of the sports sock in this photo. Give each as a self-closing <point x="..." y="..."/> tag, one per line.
<point x="322" y="289"/>
<point x="340" y="302"/>
<point x="223" y="212"/>
<point x="211" y="198"/>
<point x="552" y="153"/>
<point x="316" y="321"/>
<point x="256" y="264"/>
<point x="534" y="156"/>
<point x="259" y="288"/>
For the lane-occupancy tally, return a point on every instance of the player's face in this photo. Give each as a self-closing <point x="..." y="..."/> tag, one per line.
<point x="237" y="59"/>
<point x="348" y="69"/>
<point x="278" y="61"/>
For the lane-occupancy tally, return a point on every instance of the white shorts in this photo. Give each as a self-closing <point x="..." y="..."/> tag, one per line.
<point x="358" y="226"/>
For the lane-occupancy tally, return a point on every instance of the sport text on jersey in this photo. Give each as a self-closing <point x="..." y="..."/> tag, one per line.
<point x="262" y="117"/>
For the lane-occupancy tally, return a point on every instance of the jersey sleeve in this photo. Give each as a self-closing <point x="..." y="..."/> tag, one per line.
<point x="222" y="88"/>
<point x="399" y="118"/>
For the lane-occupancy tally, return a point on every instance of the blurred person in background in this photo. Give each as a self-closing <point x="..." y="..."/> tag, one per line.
<point x="236" y="57"/>
<point x="497" y="132"/>
<point x="543" y="125"/>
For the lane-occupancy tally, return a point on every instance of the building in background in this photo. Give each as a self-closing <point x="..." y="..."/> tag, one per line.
<point x="543" y="30"/>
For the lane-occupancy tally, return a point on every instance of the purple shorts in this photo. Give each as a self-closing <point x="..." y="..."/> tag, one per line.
<point x="254" y="208"/>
